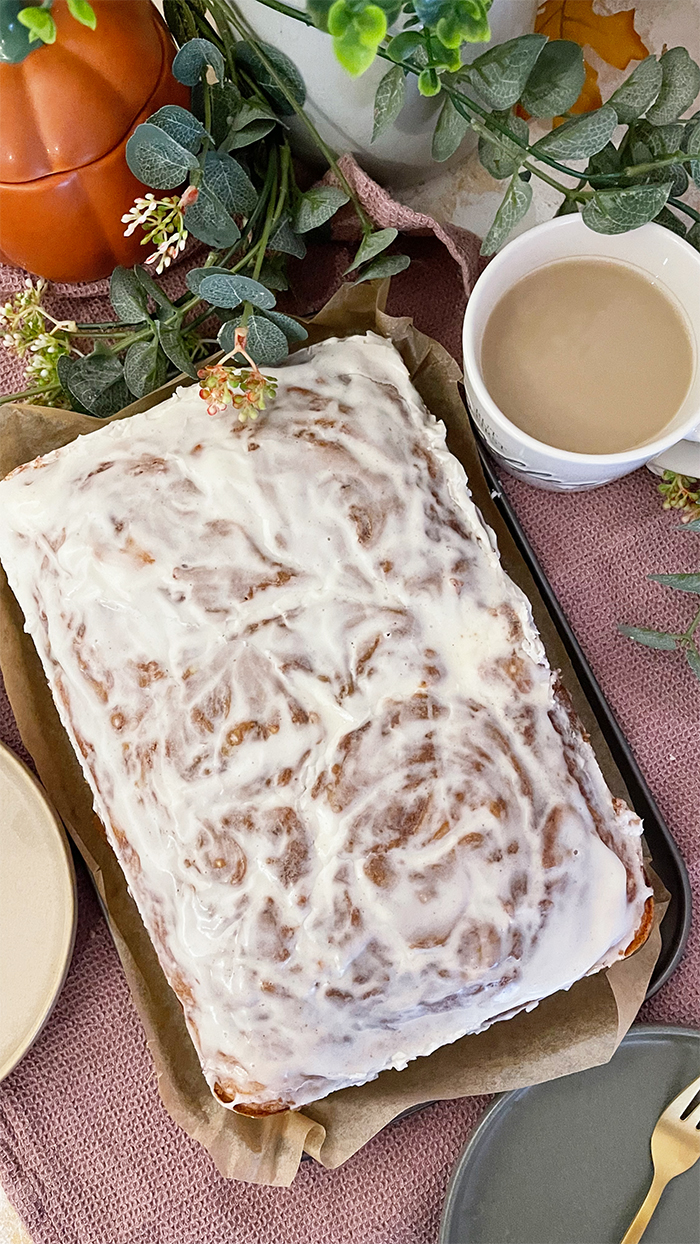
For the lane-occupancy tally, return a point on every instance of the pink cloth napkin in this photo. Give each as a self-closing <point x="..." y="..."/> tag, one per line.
<point x="87" y="1153"/>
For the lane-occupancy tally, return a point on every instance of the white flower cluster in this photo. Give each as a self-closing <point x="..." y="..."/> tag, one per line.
<point x="163" y="224"/>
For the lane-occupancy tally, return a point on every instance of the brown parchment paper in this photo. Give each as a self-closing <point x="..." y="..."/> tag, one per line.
<point x="568" y="1032"/>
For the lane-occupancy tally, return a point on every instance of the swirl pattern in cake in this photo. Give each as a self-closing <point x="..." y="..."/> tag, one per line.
<point x="354" y="809"/>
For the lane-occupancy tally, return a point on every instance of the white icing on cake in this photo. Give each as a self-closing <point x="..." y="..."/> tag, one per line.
<point x="319" y="726"/>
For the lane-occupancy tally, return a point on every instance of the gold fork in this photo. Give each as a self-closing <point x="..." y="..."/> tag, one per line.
<point x="675" y="1147"/>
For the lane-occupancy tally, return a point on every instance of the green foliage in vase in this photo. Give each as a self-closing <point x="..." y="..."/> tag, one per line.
<point x="220" y="172"/>
<point x="429" y="32"/>
<point x="616" y="185"/>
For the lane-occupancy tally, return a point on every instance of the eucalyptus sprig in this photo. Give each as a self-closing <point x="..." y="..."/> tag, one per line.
<point x="670" y="641"/>
<point x="430" y="31"/>
<point x="228" y="159"/>
<point x="624" y="183"/>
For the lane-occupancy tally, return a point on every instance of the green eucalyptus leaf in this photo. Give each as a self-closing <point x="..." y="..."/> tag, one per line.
<point x="568" y="207"/>
<point x="680" y="180"/>
<point x="127" y="296"/>
<point x="251" y="123"/>
<point x="208" y="220"/>
<point x="196" y="275"/>
<point x="386" y="265"/>
<point x="64" y="367"/>
<point x="556" y="80"/>
<point x="661" y="140"/>
<point x="284" y="239"/>
<point x="292" y="329"/>
<point x="691" y="139"/>
<point x="693" y="526"/>
<point x="39" y="23"/>
<point x="151" y="287"/>
<point x="406" y="45"/>
<point x="680" y="85"/>
<point x="500" y="75"/>
<point x="231" y="290"/>
<point x="170" y="337"/>
<point x="638" y="152"/>
<point x="618" y="211"/>
<point x="516" y="201"/>
<point x="181" y="125"/>
<point x="582" y="136"/>
<point x="650" y="639"/>
<point x="249" y="134"/>
<point x="501" y="158"/>
<point x="691" y="144"/>
<point x="156" y="159"/>
<point x="607" y="160"/>
<point x="193" y="59"/>
<point x="389" y="100"/>
<point x="693" y="234"/>
<point x="253" y="110"/>
<point x="272" y="274"/>
<point x="450" y="130"/>
<point x="97" y="382"/>
<point x="692" y="656"/>
<point x="145" y="367"/>
<point x="371" y="246"/>
<point x="317" y="206"/>
<point x="680" y="582"/>
<point x="83" y="13"/>
<point x="669" y="220"/>
<point x="637" y="92"/>
<point x="284" y="68"/>
<point x="226" y="335"/>
<point x="230" y="183"/>
<point x="266" y="342"/>
<point x="226" y="103"/>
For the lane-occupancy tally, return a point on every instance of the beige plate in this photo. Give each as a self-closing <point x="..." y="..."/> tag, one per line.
<point x="38" y="910"/>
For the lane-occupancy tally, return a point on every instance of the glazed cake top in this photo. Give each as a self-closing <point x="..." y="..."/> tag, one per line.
<point x="319" y="726"/>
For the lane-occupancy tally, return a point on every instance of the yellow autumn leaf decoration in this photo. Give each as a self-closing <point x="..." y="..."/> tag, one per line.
<point x="612" y="36"/>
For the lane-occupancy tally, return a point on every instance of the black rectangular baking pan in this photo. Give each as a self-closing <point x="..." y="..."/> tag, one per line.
<point x="667" y="859"/>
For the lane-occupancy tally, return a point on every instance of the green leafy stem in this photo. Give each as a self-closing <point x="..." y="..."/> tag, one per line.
<point x="241" y="200"/>
<point x="670" y="641"/>
<point x="621" y="187"/>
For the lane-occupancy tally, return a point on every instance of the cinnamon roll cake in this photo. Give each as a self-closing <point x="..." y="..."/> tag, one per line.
<point x="356" y="812"/>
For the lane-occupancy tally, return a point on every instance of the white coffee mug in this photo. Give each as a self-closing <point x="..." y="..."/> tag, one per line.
<point x="662" y="255"/>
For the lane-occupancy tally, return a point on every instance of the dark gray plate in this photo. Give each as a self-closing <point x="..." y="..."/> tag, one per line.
<point x="568" y="1162"/>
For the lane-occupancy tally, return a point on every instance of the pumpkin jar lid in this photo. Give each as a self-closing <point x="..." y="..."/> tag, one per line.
<point x="70" y="102"/>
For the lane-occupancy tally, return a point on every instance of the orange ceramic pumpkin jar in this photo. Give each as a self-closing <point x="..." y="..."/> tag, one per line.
<point x="67" y="110"/>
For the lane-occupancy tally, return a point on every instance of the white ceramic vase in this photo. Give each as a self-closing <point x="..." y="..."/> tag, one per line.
<point x="342" y="108"/>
